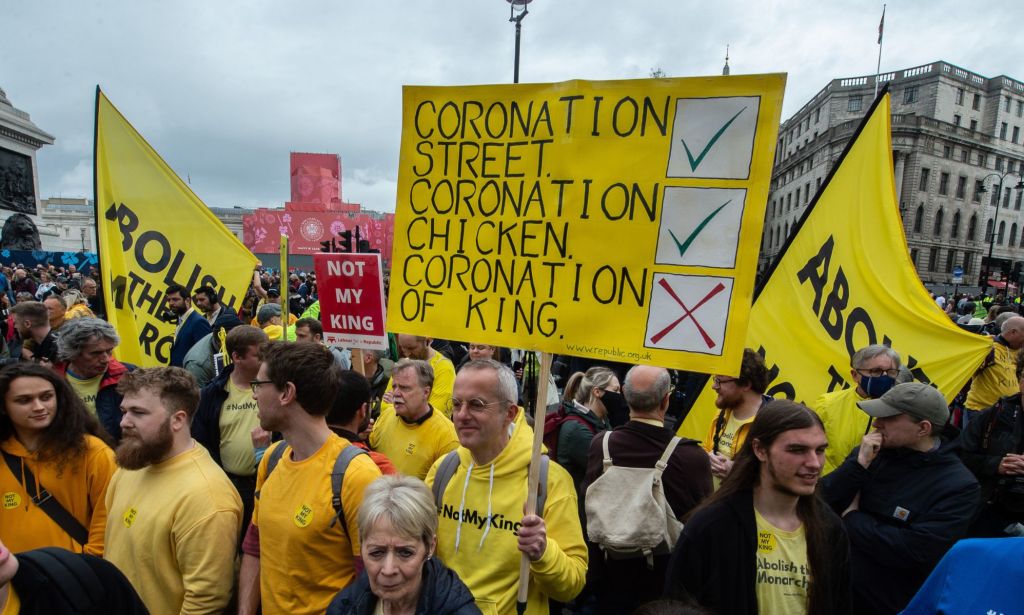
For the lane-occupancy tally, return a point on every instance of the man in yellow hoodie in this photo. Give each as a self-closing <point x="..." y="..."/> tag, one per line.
<point x="482" y="532"/>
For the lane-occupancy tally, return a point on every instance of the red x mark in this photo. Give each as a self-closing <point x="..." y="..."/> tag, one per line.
<point x="687" y="313"/>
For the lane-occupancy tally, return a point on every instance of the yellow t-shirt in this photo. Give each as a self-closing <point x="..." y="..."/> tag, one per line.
<point x="87" y="389"/>
<point x="414" y="447"/>
<point x="995" y="381"/>
<point x="238" y="417"/>
<point x="726" y="440"/>
<point x="782" y="573"/>
<point x="172" y="529"/>
<point x="294" y="516"/>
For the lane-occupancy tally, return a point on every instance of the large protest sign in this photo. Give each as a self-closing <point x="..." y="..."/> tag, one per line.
<point x="154" y="231"/>
<point x="844" y="281"/>
<point x="351" y="288"/>
<point x="618" y="220"/>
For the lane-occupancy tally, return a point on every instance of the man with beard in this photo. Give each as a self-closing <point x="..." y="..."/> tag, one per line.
<point x="874" y="370"/>
<point x="173" y="516"/>
<point x="303" y="519"/>
<point x="764" y="542"/>
<point x="350" y="416"/>
<point x="738" y="401"/>
<point x="35" y="340"/>
<point x="416" y="347"/>
<point x="191" y="327"/>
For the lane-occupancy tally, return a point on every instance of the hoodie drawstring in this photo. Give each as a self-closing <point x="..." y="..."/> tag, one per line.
<point x="490" y="491"/>
<point x="462" y="507"/>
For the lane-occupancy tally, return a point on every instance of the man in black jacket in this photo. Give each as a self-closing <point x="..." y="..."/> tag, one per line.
<point x="227" y="415"/>
<point x="992" y="448"/>
<point x="904" y="496"/>
<point x="764" y="543"/>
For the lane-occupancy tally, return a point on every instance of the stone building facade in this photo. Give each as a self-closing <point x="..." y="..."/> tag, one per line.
<point x="954" y="133"/>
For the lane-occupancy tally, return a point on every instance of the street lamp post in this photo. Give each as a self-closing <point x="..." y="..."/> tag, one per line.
<point x="995" y="219"/>
<point x="517" y="11"/>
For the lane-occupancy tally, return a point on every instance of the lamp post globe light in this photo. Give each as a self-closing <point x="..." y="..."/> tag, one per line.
<point x="517" y="11"/>
<point x="986" y="277"/>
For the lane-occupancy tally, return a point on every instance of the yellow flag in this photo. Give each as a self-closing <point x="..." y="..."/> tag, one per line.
<point x="846" y="281"/>
<point x="153" y="232"/>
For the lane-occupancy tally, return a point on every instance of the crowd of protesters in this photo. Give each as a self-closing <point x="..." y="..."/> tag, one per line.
<point x="263" y="470"/>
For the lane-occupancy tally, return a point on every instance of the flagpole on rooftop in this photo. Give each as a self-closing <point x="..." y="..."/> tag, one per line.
<point x="878" y="68"/>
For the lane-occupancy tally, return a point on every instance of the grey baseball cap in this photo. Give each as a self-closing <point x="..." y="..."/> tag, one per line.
<point x="914" y="398"/>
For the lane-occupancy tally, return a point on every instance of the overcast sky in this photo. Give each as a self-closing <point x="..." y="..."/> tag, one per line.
<point x="225" y="89"/>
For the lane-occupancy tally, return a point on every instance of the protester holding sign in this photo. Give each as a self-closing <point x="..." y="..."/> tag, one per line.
<point x="479" y="495"/>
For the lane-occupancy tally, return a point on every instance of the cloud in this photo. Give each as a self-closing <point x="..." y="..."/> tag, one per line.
<point x="224" y="90"/>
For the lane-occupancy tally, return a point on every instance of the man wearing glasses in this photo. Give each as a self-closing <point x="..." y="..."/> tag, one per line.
<point x="482" y="532"/>
<point x="299" y="552"/>
<point x="874" y="371"/>
<point x="737" y="400"/>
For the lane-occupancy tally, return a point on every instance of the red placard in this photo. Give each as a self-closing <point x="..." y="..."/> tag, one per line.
<point x="351" y="290"/>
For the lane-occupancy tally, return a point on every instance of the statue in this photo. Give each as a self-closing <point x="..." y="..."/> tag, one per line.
<point x="20" y="233"/>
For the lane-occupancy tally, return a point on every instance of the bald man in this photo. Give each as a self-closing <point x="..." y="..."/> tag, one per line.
<point x="996" y="377"/>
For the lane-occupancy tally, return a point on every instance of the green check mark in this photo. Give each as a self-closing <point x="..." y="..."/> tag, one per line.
<point x="700" y="227"/>
<point x="695" y="162"/>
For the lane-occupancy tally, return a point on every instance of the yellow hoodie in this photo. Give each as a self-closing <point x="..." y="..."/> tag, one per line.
<point x="485" y="554"/>
<point x="81" y="489"/>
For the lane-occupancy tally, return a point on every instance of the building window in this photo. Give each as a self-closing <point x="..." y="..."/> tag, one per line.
<point x="1006" y="198"/>
<point x="956" y="120"/>
<point x="910" y="95"/>
<point x="982" y="159"/>
<point x="950" y="260"/>
<point x="919" y="219"/>
<point x="933" y="259"/>
<point x="961" y="187"/>
<point x="923" y="185"/>
<point x="1016" y="134"/>
<point x="789" y="201"/>
<point x="1013" y="234"/>
<point x="1020" y="108"/>
<point x="965" y="155"/>
<point x="999" y="163"/>
<point x="1002" y="130"/>
<point x="967" y="261"/>
<point x="972" y="227"/>
<point x="976" y="197"/>
<point x="937" y="227"/>
<point x="807" y="192"/>
<point x="959" y="96"/>
<point x="1016" y="204"/>
<point x="1002" y="232"/>
<point x="943" y="184"/>
<point x="817" y="184"/>
<point x="1007" y="103"/>
<point x="954" y="229"/>
<point x="976" y="104"/>
<point x="913" y="257"/>
<point x="947" y="151"/>
<point x="853" y="104"/>
<point x="988" y="231"/>
<point x="817" y="115"/>
<point x="974" y="124"/>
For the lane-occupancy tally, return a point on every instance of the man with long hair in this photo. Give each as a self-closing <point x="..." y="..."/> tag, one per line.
<point x="764" y="543"/>
<point x="51" y="445"/>
<point x="174" y="516"/>
<point x="738" y="400"/>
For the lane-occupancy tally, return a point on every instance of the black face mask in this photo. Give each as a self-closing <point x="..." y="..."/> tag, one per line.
<point x="615" y="404"/>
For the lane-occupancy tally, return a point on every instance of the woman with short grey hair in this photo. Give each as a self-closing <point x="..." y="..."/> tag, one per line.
<point x="398" y="537"/>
